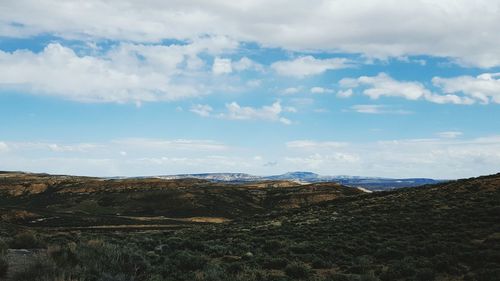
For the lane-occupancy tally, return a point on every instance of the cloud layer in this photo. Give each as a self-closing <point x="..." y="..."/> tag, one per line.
<point x="125" y="73"/>
<point x="449" y="156"/>
<point x="375" y="28"/>
<point x="464" y="90"/>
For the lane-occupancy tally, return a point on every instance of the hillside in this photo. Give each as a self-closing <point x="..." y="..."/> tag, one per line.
<point x="45" y="200"/>
<point x="441" y="232"/>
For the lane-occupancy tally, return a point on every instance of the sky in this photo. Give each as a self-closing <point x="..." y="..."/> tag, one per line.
<point x="406" y="88"/>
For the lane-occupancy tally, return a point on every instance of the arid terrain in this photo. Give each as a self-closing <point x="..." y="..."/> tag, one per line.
<point x="81" y="228"/>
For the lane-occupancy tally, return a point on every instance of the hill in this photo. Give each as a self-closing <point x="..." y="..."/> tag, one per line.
<point x="46" y="200"/>
<point x="447" y="231"/>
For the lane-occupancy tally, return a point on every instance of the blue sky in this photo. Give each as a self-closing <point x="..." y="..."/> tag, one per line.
<point x="126" y="88"/>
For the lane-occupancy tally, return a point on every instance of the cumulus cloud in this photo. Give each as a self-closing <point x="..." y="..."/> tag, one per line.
<point x="375" y="28"/>
<point x="320" y="90"/>
<point x="221" y="66"/>
<point x="308" y="65"/>
<point x="485" y="87"/>
<point x="377" y="109"/>
<point x="247" y="64"/>
<point x="383" y="85"/>
<point x="291" y="90"/>
<point x="309" y="144"/>
<point x="450" y="134"/>
<point x="125" y="73"/>
<point x="204" y="110"/>
<point x="268" y="112"/>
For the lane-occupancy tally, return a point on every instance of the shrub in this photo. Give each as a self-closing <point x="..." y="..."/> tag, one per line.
<point x="320" y="263"/>
<point x="235" y="267"/>
<point x="3" y="247"/>
<point x="26" y="240"/>
<point x="425" y="274"/>
<point x="338" y="277"/>
<point x="272" y="246"/>
<point x="4" y="266"/>
<point x="187" y="261"/>
<point x="111" y="260"/>
<point x="275" y="263"/>
<point x="63" y="256"/>
<point x="41" y="269"/>
<point x="298" y="270"/>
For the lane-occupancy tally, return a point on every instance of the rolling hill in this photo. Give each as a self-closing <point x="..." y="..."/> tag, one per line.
<point x="273" y="230"/>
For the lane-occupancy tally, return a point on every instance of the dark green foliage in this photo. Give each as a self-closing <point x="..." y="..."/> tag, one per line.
<point x="4" y="266"/>
<point x="275" y="263"/>
<point x="41" y="269"/>
<point x="3" y="247"/>
<point x="338" y="277"/>
<point x="425" y="274"/>
<point x="189" y="261"/>
<point x="298" y="270"/>
<point x="64" y="256"/>
<point x="26" y="240"/>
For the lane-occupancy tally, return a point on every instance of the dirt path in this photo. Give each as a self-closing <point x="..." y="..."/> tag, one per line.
<point x="19" y="259"/>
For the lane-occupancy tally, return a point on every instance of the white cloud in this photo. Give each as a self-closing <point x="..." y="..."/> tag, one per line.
<point x="431" y="157"/>
<point x="221" y="66"/>
<point x="169" y="145"/>
<point x="308" y="144"/>
<point x="268" y="112"/>
<point x="317" y="161"/>
<point x="247" y="64"/>
<point x="485" y="87"/>
<point x="203" y="110"/>
<point x="377" y="109"/>
<point x="291" y="90"/>
<point x="375" y="28"/>
<point x="449" y="134"/>
<point x="308" y="65"/>
<point x="3" y="147"/>
<point x="383" y="85"/>
<point x="320" y="90"/>
<point x="344" y="94"/>
<point x="436" y="158"/>
<point x="125" y="73"/>
<point x="83" y="147"/>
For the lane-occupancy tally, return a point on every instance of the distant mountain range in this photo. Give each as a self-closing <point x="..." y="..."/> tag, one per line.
<point x="370" y="183"/>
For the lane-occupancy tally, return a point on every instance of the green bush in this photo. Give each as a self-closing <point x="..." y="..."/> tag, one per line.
<point x="275" y="263"/>
<point x="338" y="277"/>
<point x="41" y="269"/>
<point x="425" y="274"/>
<point x="272" y="246"/>
<point x="298" y="270"/>
<point x="64" y="256"/>
<point x="320" y="263"/>
<point x="99" y="259"/>
<point x="188" y="261"/>
<point x="26" y="240"/>
<point x="3" y="247"/>
<point x="4" y="266"/>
